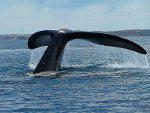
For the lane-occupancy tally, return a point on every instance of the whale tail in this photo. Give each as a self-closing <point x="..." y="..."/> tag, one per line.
<point x="56" y="41"/>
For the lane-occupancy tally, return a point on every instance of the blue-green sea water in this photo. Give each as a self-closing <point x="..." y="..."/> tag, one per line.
<point x="92" y="78"/>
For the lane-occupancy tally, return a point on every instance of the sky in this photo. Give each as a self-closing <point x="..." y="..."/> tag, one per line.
<point x="29" y="16"/>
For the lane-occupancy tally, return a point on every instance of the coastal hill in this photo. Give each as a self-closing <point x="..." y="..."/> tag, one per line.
<point x="119" y="33"/>
<point x="15" y="36"/>
<point x="130" y="32"/>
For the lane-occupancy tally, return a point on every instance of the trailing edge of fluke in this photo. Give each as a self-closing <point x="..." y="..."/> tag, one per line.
<point x="57" y="40"/>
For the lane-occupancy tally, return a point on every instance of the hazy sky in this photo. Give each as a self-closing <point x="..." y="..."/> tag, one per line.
<point x="28" y="16"/>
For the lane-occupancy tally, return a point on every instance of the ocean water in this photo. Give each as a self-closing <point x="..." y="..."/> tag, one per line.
<point x="93" y="78"/>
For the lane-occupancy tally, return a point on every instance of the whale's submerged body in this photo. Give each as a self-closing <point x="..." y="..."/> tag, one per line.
<point x="57" y="40"/>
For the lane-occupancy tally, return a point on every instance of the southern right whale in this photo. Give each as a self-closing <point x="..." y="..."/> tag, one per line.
<point x="57" y="40"/>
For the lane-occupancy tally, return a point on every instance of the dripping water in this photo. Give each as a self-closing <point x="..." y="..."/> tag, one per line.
<point x="35" y="57"/>
<point x="80" y="56"/>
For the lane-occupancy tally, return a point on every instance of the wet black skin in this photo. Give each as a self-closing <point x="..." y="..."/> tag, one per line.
<point x="57" y="40"/>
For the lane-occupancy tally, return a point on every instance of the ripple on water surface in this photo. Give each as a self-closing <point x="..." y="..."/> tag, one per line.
<point x="92" y="79"/>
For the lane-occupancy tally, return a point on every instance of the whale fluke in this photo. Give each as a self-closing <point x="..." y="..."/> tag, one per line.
<point x="57" y="40"/>
<point x="41" y="38"/>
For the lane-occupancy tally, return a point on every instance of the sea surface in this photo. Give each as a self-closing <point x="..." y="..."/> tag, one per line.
<point x="93" y="78"/>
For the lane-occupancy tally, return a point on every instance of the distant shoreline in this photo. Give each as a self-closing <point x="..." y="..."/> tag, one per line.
<point x="130" y="32"/>
<point x="119" y="33"/>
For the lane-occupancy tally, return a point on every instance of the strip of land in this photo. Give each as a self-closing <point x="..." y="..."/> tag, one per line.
<point x="145" y="32"/>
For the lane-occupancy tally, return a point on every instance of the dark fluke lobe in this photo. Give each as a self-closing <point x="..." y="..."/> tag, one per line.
<point x="57" y="40"/>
